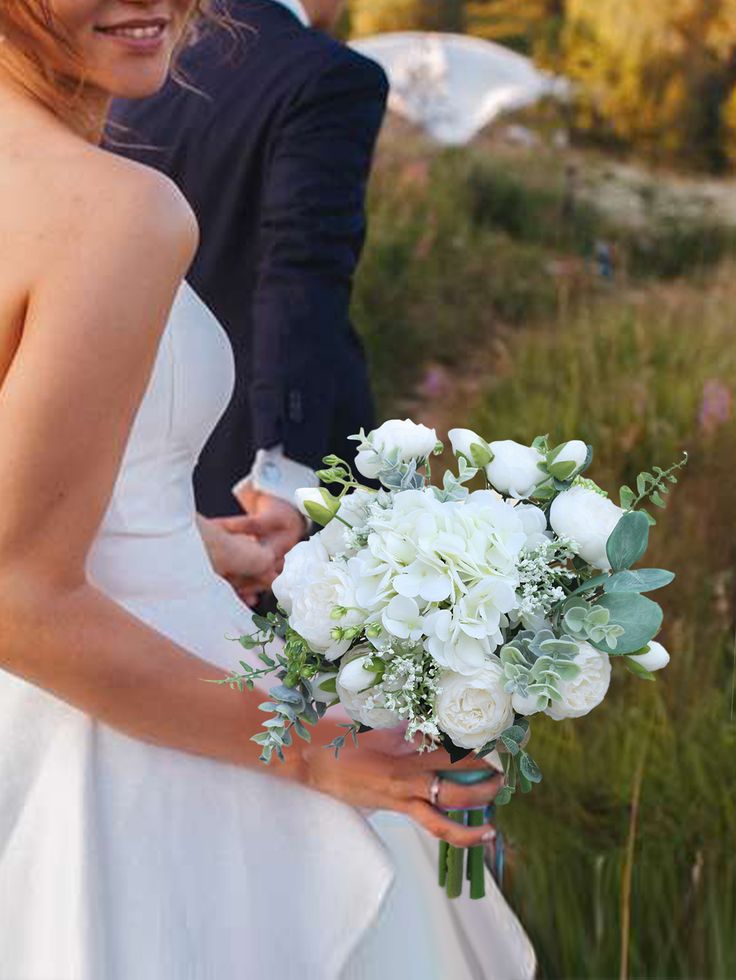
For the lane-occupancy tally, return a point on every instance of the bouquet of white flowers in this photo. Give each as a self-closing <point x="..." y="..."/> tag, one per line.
<point x="456" y="612"/>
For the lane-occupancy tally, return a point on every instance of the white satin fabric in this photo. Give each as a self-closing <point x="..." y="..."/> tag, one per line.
<point x="123" y="861"/>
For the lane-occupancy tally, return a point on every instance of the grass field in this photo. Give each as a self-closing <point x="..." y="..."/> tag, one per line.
<point x="624" y="859"/>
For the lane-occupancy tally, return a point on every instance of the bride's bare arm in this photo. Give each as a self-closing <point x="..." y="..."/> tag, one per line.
<point x="95" y="313"/>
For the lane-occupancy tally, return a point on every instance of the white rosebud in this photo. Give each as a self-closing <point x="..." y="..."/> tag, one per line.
<point x="474" y="710"/>
<point x="469" y="444"/>
<point x="654" y="659"/>
<point x="326" y="693"/>
<point x="515" y="469"/>
<point x="354" y="677"/>
<point x="567" y="460"/>
<point x="369" y="706"/>
<point x="317" y="504"/>
<point x="528" y="705"/>
<point x="409" y="440"/>
<point x="353" y="511"/>
<point x="587" y="690"/>
<point x="368" y="464"/>
<point x="587" y="519"/>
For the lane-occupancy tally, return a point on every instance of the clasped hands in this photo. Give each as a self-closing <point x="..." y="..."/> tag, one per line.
<point x="248" y="550"/>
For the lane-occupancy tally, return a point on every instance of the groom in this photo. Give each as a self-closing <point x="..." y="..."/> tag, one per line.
<point x="271" y="141"/>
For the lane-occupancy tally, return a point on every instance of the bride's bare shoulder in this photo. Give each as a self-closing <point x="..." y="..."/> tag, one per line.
<point x="75" y="199"/>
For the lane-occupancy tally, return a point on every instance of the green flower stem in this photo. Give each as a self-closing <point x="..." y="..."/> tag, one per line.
<point x="444" y="853"/>
<point x="476" y="868"/>
<point x="455" y="861"/>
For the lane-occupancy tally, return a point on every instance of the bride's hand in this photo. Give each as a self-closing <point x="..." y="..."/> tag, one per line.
<point x="370" y="776"/>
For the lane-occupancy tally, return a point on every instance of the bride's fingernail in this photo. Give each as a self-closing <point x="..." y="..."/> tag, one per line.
<point x="489" y="836"/>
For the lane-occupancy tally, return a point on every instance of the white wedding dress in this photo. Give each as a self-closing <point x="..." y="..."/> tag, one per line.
<point x="123" y="861"/>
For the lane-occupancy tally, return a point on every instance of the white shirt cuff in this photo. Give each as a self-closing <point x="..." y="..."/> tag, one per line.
<point x="277" y="475"/>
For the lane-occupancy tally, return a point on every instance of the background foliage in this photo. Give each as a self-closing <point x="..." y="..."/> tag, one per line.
<point x="658" y="76"/>
<point x="482" y="304"/>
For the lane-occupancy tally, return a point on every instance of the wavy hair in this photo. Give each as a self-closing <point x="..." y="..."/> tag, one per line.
<point x="40" y="56"/>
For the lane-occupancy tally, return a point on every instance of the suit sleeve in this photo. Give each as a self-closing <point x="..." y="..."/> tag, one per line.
<point x="310" y="239"/>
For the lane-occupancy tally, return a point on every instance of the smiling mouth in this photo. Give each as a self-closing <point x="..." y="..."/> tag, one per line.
<point x="135" y="30"/>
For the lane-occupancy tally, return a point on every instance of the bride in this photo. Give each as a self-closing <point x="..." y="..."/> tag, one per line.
<point x="140" y="838"/>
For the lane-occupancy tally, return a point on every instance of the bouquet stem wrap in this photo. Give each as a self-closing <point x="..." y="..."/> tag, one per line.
<point x="459" y="863"/>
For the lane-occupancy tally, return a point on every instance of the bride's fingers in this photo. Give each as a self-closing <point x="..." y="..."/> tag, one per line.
<point x="453" y="796"/>
<point x="445" y="829"/>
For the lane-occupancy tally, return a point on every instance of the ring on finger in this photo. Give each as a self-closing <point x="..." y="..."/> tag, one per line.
<point x="434" y="790"/>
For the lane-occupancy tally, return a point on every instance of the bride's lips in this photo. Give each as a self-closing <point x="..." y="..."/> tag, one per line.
<point x="144" y="35"/>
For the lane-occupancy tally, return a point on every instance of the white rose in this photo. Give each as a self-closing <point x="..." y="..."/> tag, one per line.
<point x="328" y="586"/>
<point x="406" y="438"/>
<point x="587" y="690"/>
<point x="354" y="511"/>
<point x="588" y="519"/>
<point x="474" y="710"/>
<point x="655" y="658"/>
<point x="469" y="444"/>
<point x="304" y="561"/>
<point x="567" y="460"/>
<point x="514" y="470"/>
<point x="354" y="677"/>
<point x="317" y="504"/>
<point x="369" y="706"/>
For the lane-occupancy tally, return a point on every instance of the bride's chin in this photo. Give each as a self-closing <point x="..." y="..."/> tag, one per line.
<point x="143" y="85"/>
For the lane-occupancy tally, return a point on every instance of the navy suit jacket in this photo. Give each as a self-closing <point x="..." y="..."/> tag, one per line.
<point x="273" y="152"/>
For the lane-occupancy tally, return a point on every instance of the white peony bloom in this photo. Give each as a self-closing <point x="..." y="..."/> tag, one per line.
<point x="354" y="511"/>
<point x="587" y="690"/>
<point x="654" y="659"/>
<point x="566" y="462"/>
<point x="587" y="519"/>
<point x="534" y="522"/>
<point x="354" y="677"/>
<point x="474" y="710"/>
<point x="303" y="562"/>
<point x="469" y="444"/>
<point x="317" y="504"/>
<point x="328" y="586"/>
<point x="406" y="438"/>
<point x="515" y="469"/>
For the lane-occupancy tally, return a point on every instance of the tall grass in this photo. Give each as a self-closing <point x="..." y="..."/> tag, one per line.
<point x="636" y="818"/>
<point x="632" y="377"/>
<point x="461" y="241"/>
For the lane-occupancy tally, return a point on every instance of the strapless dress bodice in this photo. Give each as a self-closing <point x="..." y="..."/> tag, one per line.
<point x="148" y="543"/>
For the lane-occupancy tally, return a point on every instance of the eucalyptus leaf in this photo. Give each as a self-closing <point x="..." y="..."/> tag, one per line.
<point x="639" y="617"/>
<point x="530" y="769"/>
<point x="503" y="797"/>
<point x="639" y="580"/>
<point x="288" y="694"/>
<point x="628" y="540"/>
<point x="510" y="744"/>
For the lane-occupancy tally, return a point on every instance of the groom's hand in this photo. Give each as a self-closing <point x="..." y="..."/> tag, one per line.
<point x="272" y="520"/>
<point x="246" y="563"/>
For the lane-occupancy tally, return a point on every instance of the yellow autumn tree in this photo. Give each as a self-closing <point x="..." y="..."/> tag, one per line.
<point x="382" y="16"/>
